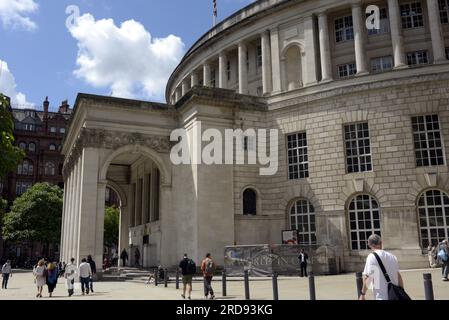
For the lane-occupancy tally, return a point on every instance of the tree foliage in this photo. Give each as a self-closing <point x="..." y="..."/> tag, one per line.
<point x="111" y="226"/>
<point x="35" y="216"/>
<point x="10" y="155"/>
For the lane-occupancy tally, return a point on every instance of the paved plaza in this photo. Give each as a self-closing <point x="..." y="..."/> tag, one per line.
<point x="340" y="287"/>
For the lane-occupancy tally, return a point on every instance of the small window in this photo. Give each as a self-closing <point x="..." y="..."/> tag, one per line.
<point x="298" y="159"/>
<point x="62" y="130"/>
<point x="259" y="56"/>
<point x="228" y="70"/>
<point x="344" y="29"/>
<point x="302" y="218"/>
<point x="26" y="168"/>
<point x="347" y="70"/>
<point x="384" y="24"/>
<point x="53" y="129"/>
<point x="447" y="53"/>
<point x="49" y="169"/>
<point x="52" y="147"/>
<point x="444" y="10"/>
<point x="412" y="15"/>
<point x="212" y="79"/>
<point x="22" y="187"/>
<point x="32" y="147"/>
<point x="364" y="220"/>
<point x="249" y="202"/>
<point x="23" y="145"/>
<point x="381" y="64"/>
<point x="417" y="58"/>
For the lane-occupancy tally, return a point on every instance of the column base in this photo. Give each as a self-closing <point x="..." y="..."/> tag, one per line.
<point x="362" y="73"/>
<point x="441" y="61"/>
<point x="326" y="80"/>
<point x="401" y="67"/>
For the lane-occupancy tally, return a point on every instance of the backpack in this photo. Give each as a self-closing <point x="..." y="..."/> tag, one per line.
<point x="209" y="267"/>
<point x="191" y="267"/>
<point x="443" y="255"/>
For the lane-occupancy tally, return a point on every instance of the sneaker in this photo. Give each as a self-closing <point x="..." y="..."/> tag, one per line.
<point x="212" y="297"/>
<point x="183" y="296"/>
<point x="445" y="279"/>
<point x="189" y="298"/>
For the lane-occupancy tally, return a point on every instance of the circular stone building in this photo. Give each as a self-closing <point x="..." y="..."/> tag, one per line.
<point x="362" y="118"/>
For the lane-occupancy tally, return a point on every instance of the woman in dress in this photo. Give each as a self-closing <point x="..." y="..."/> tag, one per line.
<point x="52" y="277"/>
<point x="40" y="278"/>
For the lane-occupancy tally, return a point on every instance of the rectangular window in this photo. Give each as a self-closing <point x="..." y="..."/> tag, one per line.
<point x="259" y="56"/>
<point x="228" y="70"/>
<point x="427" y="140"/>
<point x="444" y="10"/>
<point x="384" y="23"/>
<point x="53" y="130"/>
<point x="22" y="187"/>
<point x="343" y="29"/>
<point x="212" y="78"/>
<point x="447" y="53"/>
<point x="346" y="70"/>
<point x="358" y="149"/>
<point x="148" y="199"/>
<point x="412" y="15"/>
<point x="298" y="159"/>
<point x="62" y="130"/>
<point x="381" y="64"/>
<point x="417" y="58"/>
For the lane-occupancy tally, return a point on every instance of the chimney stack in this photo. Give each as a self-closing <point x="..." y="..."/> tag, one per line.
<point x="46" y="105"/>
<point x="64" y="108"/>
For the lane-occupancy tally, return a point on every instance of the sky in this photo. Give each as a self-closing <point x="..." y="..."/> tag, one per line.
<point x="58" y="48"/>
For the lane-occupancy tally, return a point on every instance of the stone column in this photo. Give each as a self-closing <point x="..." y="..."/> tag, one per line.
<point x="206" y="75"/>
<point x="266" y="62"/>
<point x="194" y="79"/>
<point x="359" y="38"/>
<point x="97" y="254"/>
<point x="71" y="242"/>
<point x="124" y="230"/>
<point x="310" y="50"/>
<point x="184" y="87"/>
<point x="66" y="218"/>
<point x="325" y="53"/>
<point x="78" y="187"/>
<point x="222" y="74"/>
<point x="396" y="34"/>
<point x="177" y="94"/>
<point x="439" y="52"/>
<point x="243" y="70"/>
<point x="275" y="60"/>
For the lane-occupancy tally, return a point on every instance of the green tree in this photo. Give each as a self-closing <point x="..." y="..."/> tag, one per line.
<point x="10" y="155"/>
<point x="111" y="226"/>
<point x="36" y="216"/>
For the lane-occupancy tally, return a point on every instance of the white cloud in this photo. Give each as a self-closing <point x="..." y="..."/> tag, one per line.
<point x="8" y="87"/>
<point x="125" y="59"/>
<point x="13" y="13"/>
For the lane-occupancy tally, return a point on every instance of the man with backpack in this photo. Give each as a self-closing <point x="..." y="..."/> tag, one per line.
<point x="188" y="270"/>
<point x="208" y="268"/>
<point x="443" y="256"/>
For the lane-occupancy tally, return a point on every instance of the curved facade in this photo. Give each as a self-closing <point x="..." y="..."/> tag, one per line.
<point x="363" y="120"/>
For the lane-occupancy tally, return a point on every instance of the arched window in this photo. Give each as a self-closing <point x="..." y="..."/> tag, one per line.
<point x="23" y="145"/>
<point x="433" y="208"/>
<point x="49" y="169"/>
<point x="32" y="147"/>
<point x="249" y="202"/>
<point x="52" y="147"/>
<point x="302" y="218"/>
<point x="26" y="168"/>
<point x="364" y="220"/>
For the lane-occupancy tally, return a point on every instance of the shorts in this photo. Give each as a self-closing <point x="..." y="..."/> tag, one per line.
<point x="187" y="279"/>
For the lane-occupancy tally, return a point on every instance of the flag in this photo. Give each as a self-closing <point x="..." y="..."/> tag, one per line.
<point x="215" y="8"/>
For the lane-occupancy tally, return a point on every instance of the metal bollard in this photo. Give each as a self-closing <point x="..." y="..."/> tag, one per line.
<point x="177" y="278"/>
<point x="359" y="283"/>
<point x="223" y="283"/>
<point x="165" y="278"/>
<point x="246" y="280"/>
<point x="428" y="286"/>
<point x="275" y="286"/>
<point x="312" y="286"/>
<point x="156" y="277"/>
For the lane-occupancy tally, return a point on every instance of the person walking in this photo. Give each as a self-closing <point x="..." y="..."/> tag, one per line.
<point x="124" y="257"/>
<point x="432" y="254"/>
<point x="188" y="269"/>
<point x="303" y="257"/>
<point x="443" y="257"/>
<point x="40" y="277"/>
<point x="6" y="274"/>
<point x="115" y="258"/>
<point x="93" y="267"/>
<point x="137" y="257"/>
<point x="208" y="267"/>
<point x="373" y="276"/>
<point x="70" y="273"/>
<point x="85" y="273"/>
<point x="52" y="277"/>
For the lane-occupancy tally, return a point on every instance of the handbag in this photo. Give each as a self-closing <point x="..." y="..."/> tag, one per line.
<point x="394" y="292"/>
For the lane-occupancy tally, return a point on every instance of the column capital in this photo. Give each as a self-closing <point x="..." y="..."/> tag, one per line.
<point x="356" y="4"/>
<point x="322" y="14"/>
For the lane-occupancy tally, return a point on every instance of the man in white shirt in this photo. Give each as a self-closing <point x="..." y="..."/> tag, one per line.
<point x="373" y="276"/>
<point x="70" y="273"/>
<point x="85" y="272"/>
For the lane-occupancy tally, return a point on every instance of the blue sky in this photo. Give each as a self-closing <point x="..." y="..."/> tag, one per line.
<point x="40" y="56"/>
